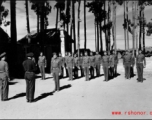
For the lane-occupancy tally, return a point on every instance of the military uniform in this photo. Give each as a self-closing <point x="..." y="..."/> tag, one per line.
<point x="111" y="64"/>
<point x="86" y="65"/>
<point x="42" y="65"/>
<point x="105" y="64"/>
<point x="92" y="66"/>
<point x="81" y="66"/>
<point x="65" y="64"/>
<point x="132" y="65"/>
<point x="4" y="78"/>
<point x="55" y="70"/>
<point x="140" y="60"/>
<point x="61" y="59"/>
<point x="97" y="64"/>
<point x="127" y="64"/>
<point x="70" y="65"/>
<point x="30" y="68"/>
<point x="76" y="66"/>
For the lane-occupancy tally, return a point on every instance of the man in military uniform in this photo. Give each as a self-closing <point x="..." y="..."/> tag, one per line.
<point x="86" y="65"/>
<point x="70" y="66"/>
<point x="92" y="64"/>
<point x="65" y="63"/>
<point x="115" y="61"/>
<point x="30" y="68"/>
<point x="61" y="59"/>
<point x="55" y="70"/>
<point x="140" y="64"/>
<point x="105" y="64"/>
<point x="42" y="65"/>
<point x="81" y="64"/>
<point x="127" y="64"/>
<point x="76" y="66"/>
<point x="97" y="63"/>
<point x="4" y="78"/>
<point x="132" y="65"/>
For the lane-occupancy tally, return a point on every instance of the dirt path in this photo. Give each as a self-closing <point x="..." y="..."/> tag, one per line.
<point x="82" y="99"/>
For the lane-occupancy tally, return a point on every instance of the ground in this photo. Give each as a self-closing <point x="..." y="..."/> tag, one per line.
<point x="93" y="99"/>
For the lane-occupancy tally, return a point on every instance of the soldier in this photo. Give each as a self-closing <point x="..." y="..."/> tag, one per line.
<point x="111" y="65"/>
<point x="127" y="64"/>
<point x="132" y="65"/>
<point x="92" y="64"/>
<point x="76" y="65"/>
<point x="65" y="63"/>
<point x="55" y="70"/>
<point x="86" y="65"/>
<point x="61" y="65"/>
<point x="140" y="64"/>
<point x="42" y="65"/>
<point x="97" y="63"/>
<point x="70" y="66"/>
<point x="81" y="65"/>
<point x="30" y="68"/>
<point x="105" y="64"/>
<point x="4" y="78"/>
<point x="115" y="59"/>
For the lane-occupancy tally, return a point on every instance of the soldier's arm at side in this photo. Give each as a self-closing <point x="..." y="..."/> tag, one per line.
<point x="144" y="61"/>
<point x="7" y="70"/>
<point x="45" y="61"/>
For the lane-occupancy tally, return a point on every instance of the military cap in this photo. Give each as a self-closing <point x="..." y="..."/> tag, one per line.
<point x="54" y="53"/>
<point x="3" y="54"/>
<point x="30" y="54"/>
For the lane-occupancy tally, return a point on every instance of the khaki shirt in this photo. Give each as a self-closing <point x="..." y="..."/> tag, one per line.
<point x="42" y="60"/>
<point x="86" y="61"/>
<point x="98" y="59"/>
<point x="105" y="60"/>
<point x="140" y="59"/>
<point x="92" y="61"/>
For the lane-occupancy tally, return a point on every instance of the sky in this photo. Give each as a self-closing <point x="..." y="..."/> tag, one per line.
<point x="22" y="30"/>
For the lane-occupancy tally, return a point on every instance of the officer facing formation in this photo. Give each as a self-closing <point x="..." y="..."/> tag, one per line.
<point x="97" y="63"/>
<point x="70" y="66"/>
<point x="30" y="68"/>
<point x="140" y="64"/>
<point x="127" y="64"/>
<point x="76" y="66"/>
<point x="105" y="64"/>
<point x="42" y="65"/>
<point x="81" y="64"/>
<point x="4" y="78"/>
<point x="61" y="59"/>
<point x="92" y="64"/>
<point x="86" y="66"/>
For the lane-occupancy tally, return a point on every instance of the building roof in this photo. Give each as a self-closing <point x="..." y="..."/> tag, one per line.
<point x="51" y="36"/>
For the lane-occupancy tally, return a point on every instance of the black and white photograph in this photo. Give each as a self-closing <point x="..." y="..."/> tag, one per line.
<point x="75" y="59"/>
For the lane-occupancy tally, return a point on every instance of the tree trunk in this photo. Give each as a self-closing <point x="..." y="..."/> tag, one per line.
<point x="143" y="31"/>
<point x="95" y="35"/>
<point x="85" y="37"/>
<point x="101" y="47"/>
<point x="79" y="3"/>
<point x="13" y="49"/>
<point x="125" y="24"/>
<point x="73" y="16"/>
<point x="140" y="30"/>
<point x="105" y="28"/>
<point x="38" y="23"/>
<point x="27" y="16"/>
<point x="133" y="31"/>
<point x="137" y="14"/>
<point x="57" y="13"/>
<point x="109" y="14"/>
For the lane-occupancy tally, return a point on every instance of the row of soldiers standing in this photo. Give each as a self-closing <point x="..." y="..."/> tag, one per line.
<point x="88" y="64"/>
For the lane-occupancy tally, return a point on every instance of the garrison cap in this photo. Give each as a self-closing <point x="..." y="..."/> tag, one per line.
<point x="3" y="54"/>
<point x="30" y="54"/>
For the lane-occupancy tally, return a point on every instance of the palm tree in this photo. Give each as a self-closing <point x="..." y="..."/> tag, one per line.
<point x="125" y="24"/>
<point x="85" y="37"/>
<point x="79" y="3"/>
<point x="27" y="16"/>
<point x="73" y="23"/>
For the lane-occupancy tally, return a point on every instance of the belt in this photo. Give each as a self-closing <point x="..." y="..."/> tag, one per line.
<point x="28" y="72"/>
<point x="139" y="62"/>
<point x="55" y="68"/>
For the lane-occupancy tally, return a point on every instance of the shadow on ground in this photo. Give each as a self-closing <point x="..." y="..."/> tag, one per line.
<point x="17" y="96"/>
<point x="65" y="87"/>
<point x="42" y="96"/>
<point x="12" y="83"/>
